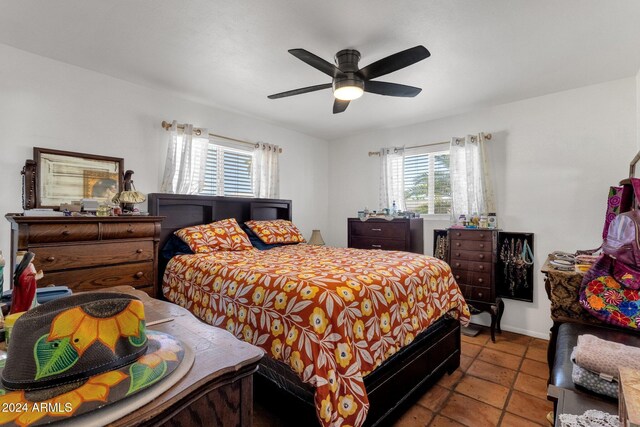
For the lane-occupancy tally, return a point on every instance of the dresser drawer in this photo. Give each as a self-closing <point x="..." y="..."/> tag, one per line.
<point x="138" y="275"/>
<point x="471" y="235"/>
<point x="480" y="267"/>
<point x="479" y="294"/>
<point x="51" y="258"/>
<point x="460" y="276"/>
<point x="479" y="279"/>
<point x="54" y="233"/>
<point x="395" y="230"/>
<point x="374" y="243"/>
<point x="472" y="245"/>
<point x="470" y="256"/>
<point x="126" y="230"/>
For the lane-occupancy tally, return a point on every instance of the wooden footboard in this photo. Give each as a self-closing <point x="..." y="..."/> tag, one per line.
<point x="391" y="388"/>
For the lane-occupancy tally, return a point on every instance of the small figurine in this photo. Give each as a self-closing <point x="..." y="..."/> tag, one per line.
<point x="24" y="284"/>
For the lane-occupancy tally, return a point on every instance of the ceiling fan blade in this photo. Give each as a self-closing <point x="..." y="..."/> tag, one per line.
<point x="394" y="62"/>
<point x="316" y="62"/>
<point x="300" y="91"/>
<point x="391" y="89"/>
<point x="339" y="106"/>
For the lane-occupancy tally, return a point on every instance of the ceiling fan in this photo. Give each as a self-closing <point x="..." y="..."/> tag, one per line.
<point x="350" y="82"/>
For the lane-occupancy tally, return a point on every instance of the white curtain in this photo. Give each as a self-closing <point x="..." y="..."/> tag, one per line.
<point x="186" y="160"/>
<point x="266" y="172"/>
<point x="392" y="178"/>
<point x="471" y="186"/>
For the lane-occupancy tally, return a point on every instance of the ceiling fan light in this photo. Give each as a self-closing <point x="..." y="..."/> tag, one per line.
<point x="348" y="89"/>
<point x="348" y="93"/>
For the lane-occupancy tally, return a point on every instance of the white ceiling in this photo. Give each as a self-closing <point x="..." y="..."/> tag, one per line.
<point x="232" y="54"/>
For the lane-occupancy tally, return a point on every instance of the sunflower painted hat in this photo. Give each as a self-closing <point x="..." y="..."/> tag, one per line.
<point x="77" y="354"/>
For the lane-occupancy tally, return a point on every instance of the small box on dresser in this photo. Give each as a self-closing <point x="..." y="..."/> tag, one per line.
<point x="399" y="234"/>
<point x="90" y="253"/>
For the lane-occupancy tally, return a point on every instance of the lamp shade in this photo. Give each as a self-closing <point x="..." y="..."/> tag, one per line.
<point x="316" y="238"/>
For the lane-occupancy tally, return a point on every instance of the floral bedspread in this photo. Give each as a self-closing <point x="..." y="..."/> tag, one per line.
<point x="332" y="314"/>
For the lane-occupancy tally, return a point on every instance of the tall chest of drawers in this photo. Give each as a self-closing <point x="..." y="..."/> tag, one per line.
<point x="473" y="255"/>
<point x="399" y="234"/>
<point x="90" y="253"/>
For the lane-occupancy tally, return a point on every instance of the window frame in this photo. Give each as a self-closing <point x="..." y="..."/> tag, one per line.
<point x="221" y="147"/>
<point x="430" y="149"/>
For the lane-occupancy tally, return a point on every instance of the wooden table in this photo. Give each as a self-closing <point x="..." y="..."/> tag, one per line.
<point x="570" y="402"/>
<point x="217" y="390"/>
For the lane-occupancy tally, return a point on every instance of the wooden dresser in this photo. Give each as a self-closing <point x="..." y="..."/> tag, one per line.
<point x="90" y="253"/>
<point x="399" y="234"/>
<point x="473" y="255"/>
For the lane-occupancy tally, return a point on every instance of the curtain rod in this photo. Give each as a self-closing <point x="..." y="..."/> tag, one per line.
<point x="166" y="125"/>
<point x="377" y="153"/>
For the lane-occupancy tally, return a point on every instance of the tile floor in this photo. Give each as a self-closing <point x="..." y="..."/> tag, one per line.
<point x="498" y="384"/>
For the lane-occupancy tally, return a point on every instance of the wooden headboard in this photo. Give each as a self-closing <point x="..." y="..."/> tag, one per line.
<point x="181" y="210"/>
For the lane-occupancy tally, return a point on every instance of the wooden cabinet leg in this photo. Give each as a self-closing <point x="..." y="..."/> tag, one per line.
<point x="500" y="305"/>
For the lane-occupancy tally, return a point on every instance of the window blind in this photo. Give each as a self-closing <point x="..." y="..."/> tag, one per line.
<point x="228" y="172"/>
<point x="427" y="183"/>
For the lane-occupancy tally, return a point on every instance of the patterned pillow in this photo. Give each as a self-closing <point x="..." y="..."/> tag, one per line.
<point x="608" y="301"/>
<point x="224" y="235"/>
<point x="276" y="231"/>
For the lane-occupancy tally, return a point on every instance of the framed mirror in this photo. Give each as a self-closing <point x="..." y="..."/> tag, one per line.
<point x="65" y="176"/>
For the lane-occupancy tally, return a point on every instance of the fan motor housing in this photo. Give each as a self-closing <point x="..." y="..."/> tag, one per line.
<point x="347" y="60"/>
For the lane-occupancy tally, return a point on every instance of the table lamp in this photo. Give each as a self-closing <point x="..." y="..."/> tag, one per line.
<point x="316" y="238"/>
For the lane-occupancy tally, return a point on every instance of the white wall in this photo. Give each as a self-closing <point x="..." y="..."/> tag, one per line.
<point x="50" y="104"/>
<point x="554" y="158"/>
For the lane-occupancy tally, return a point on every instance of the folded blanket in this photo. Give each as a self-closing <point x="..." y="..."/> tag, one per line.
<point x="592" y="381"/>
<point x="605" y="357"/>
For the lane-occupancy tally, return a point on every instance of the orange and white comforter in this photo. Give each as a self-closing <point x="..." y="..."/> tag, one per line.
<point x="332" y="314"/>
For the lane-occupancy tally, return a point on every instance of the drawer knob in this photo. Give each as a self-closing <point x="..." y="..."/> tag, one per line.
<point x="138" y="251"/>
<point x="376" y="246"/>
<point x="51" y="259"/>
<point x="139" y="274"/>
<point x="481" y="256"/>
<point x="129" y="230"/>
<point x="481" y="235"/>
<point x="66" y="232"/>
<point x="457" y="276"/>
<point x="480" y="294"/>
<point x="457" y="253"/>
<point x="481" y="267"/>
<point x="457" y="264"/>
<point x="457" y="243"/>
<point x="482" y="245"/>
<point x="458" y="234"/>
<point x="480" y="280"/>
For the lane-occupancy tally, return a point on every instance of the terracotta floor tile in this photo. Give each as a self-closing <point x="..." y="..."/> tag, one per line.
<point x="434" y="398"/>
<point x="510" y="420"/>
<point x="480" y="339"/>
<point x="484" y="391"/>
<point x="465" y="362"/>
<point x="513" y="337"/>
<point x="529" y="407"/>
<point x="440" y="421"/>
<point x="535" y="368"/>
<point x="449" y="381"/>
<point x="531" y="385"/>
<point x="538" y="343"/>
<point x="496" y="357"/>
<point x="493" y="373"/>
<point x="416" y="416"/>
<point x="470" y="412"/>
<point x="470" y="350"/>
<point x="508" y="347"/>
<point x="538" y="354"/>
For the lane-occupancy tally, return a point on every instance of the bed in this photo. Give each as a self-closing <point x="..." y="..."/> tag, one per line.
<point x="365" y="330"/>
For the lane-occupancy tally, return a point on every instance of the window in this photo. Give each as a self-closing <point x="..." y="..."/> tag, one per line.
<point x="228" y="172"/>
<point x="427" y="182"/>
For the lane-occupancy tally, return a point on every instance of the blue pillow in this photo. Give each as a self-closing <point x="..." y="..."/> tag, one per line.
<point x="256" y="242"/>
<point x="175" y="246"/>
